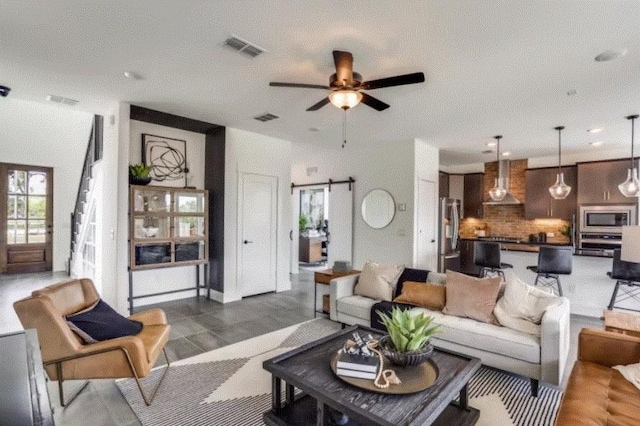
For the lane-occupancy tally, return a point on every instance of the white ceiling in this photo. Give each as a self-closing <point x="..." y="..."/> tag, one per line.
<point x="491" y="66"/>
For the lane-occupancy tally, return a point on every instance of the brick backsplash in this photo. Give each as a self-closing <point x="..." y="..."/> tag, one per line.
<point x="509" y="221"/>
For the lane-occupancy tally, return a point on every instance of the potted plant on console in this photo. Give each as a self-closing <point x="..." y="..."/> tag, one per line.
<point x="139" y="174"/>
<point x="407" y="343"/>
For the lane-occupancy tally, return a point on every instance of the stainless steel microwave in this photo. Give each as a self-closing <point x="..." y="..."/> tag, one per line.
<point x="607" y="218"/>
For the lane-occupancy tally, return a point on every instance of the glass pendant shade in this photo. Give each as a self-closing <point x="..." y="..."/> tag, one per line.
<point x="560" y="190"/>
<point x="497" y="193"/>
<point x="345" y="99"/>
<point x="631" y="186"/>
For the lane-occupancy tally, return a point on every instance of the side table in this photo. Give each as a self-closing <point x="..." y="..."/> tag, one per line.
<point x="324" y="277"/>
<point x="622" y="322"/>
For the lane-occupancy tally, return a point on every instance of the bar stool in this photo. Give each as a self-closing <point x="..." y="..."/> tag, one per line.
<point x="627" y="275"/>
<point x="486" y="255"/>
<point x="552" y="262"/>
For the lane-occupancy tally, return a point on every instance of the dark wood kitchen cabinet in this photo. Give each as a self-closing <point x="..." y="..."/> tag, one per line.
<point x="473" y="195"/>
<point x="538" y="202"/>
<point x="443" y="184"/>
<point x="598" y="182"/>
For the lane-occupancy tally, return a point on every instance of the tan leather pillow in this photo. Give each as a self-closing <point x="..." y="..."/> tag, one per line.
<point x="378" y="281"/>
<point x="425" y="295"/>
<point x="471" y="297"/>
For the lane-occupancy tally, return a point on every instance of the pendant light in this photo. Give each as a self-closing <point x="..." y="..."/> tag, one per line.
<point x="559" y="190"/>
<point x="498" y="192"/>
<point x="631" y="186"/>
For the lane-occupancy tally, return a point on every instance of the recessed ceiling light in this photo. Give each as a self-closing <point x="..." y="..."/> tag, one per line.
<point x="132" y="75"/>
<point x="611" y="54"/>
<point x="490" y="144"/>
<point x="506" y="154"/>
<point x="596" y="143"/>
<point x="596" y="130"/>
<point x="572" y="92"/>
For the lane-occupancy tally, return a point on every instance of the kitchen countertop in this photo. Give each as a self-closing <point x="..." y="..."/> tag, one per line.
<point x="523" y="242"/>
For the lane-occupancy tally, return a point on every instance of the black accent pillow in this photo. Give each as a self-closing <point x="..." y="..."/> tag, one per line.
<point x="384" y="307"/>
<point x="103" y="323"/>
<point x="410" y="274"/>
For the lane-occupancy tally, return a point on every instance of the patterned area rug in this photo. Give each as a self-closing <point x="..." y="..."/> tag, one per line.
<point x="228" y="386"/>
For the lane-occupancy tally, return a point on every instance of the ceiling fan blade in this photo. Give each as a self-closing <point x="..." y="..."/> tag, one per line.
<point x="398" y="80"/>
<point x="374" y="103"/>
<point x="299" y="85"/>
<point x="319" y="104"/>
<point x="344" y="67"/>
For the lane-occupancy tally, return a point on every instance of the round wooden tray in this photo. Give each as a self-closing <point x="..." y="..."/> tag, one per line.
<point x="414" y="379"/>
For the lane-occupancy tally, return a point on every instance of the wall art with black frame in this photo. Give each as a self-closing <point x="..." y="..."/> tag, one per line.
<point x="168" y="157"/>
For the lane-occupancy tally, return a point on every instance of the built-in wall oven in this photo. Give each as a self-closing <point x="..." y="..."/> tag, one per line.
<point x="601" y="226"/>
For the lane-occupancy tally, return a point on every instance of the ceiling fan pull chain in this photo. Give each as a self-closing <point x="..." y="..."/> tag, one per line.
<point x="344" y="129"/>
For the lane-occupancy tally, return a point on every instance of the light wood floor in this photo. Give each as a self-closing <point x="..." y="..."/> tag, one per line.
<point x="197" y="326"/>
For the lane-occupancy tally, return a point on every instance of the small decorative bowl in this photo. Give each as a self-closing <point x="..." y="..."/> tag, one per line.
<point x="405" y="359"/>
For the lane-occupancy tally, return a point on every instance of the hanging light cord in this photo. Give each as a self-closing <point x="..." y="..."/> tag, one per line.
<point x="344" y="128"/>
<point x="632" y="129"/>
<point x="559" y="150"/>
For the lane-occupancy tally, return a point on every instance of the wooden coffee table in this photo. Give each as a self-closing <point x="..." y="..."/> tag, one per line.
<point x="308" y="368"/>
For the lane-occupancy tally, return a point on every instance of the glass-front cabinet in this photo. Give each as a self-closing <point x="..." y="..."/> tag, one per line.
<point x="168" y="226"/>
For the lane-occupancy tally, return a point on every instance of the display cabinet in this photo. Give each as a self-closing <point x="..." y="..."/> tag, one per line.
<point x="167" y="227"/>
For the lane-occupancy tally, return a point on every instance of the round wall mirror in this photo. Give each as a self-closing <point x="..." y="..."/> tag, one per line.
<point x="378" y="208"/>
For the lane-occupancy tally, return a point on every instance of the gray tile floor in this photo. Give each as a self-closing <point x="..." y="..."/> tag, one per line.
<point x="198" y="326"/>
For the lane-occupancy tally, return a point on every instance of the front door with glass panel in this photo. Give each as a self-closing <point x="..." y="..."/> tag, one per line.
<point x="27" y="212"/>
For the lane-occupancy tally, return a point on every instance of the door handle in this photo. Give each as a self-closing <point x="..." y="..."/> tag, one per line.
<point x="247" y="242"/>
<point x="291" y="235"/>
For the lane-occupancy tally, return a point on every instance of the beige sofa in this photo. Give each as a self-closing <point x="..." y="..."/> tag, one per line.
<point x="537" y="357"/>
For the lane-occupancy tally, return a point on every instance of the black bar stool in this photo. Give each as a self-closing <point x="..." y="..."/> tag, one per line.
<point x="486" y="255"/>
<point x="552" y="262"/>
<point x="627" y="275"/>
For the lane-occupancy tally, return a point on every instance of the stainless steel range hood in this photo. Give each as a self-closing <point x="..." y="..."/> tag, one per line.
<point x="508" y="200"/>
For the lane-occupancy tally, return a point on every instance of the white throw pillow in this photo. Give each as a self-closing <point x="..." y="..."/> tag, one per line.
<point x="378" y="281"/>
<point x="630" y="372"/>
<point x="522" y="306"/>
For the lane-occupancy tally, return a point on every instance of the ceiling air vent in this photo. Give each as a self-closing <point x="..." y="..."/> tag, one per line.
<point x="243" y="46"/>
<point x="266" y="117"/>
<point x="62" y="100"/>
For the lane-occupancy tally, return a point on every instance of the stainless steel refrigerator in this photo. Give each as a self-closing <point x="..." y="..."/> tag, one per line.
<point x="448" y="235"/>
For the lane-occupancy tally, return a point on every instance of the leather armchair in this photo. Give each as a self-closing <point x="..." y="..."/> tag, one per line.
<point x="67" y="357"/>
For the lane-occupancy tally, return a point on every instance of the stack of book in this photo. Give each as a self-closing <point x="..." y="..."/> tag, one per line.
<point x="358" y="366"/>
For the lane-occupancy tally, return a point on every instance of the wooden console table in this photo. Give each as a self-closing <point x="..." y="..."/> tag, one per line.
<point x="324" y="277"/>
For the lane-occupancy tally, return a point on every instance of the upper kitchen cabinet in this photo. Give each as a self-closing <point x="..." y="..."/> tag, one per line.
<point x="598" y="182"/>
<point x="443" y="184"/>
<point x="538" y="202"/>
<point x="473" y="195"/>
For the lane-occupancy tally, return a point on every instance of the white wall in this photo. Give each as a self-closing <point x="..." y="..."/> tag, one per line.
<point x="388" y="166"/>
<point x="167" y="279"/>
<point x="45" y="135"/>
<point x="248" y="152"/>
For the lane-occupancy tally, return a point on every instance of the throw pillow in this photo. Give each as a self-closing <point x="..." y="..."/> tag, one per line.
<point x="378" y="281"/>
<point x="410" y="274"/>
<point x="471" y="297"/>
<point x="425" y="295"/>
<point x="522" y="306"/>
<point x="102" y="323"/>
<point x="630" y="372"/>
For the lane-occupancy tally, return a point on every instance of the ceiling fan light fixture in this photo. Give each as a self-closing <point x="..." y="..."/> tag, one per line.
<point x="631" y="187"/>
<point x="345" y="99"/>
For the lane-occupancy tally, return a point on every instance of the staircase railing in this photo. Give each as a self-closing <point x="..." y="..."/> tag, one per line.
<point x="93" y="154"/>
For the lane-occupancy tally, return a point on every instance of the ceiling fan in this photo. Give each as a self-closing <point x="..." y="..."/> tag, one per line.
<point x="346" y="85"/>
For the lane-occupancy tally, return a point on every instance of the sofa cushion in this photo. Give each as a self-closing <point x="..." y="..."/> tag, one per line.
<point x="410" y="274"/>
<point x="486" y="337"/>
<point x="598" y="395"/>
<point x="378" y="281"/>
<point x="425" y="295"/>
<point x="357" y="306"/>
<point x="471" y="297"/>
<point x="522" y="306"/>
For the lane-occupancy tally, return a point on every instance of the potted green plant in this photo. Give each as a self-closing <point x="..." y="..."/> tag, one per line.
<point x="139" y="174"/>
<point x="407" y="343"/>
<point x="303" y="221"/>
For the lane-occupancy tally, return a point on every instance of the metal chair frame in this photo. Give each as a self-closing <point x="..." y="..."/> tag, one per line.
<point x="630" y="290"/>
<point x="549" y="280"/>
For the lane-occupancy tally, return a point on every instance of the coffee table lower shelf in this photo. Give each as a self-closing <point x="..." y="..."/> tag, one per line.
<point x="304" y="412"/>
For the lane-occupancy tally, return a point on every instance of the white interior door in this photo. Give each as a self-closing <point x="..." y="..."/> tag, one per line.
<point x="427" y="213"/>
<point x="340" y="245"/>
<point x="258" y="231"/>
